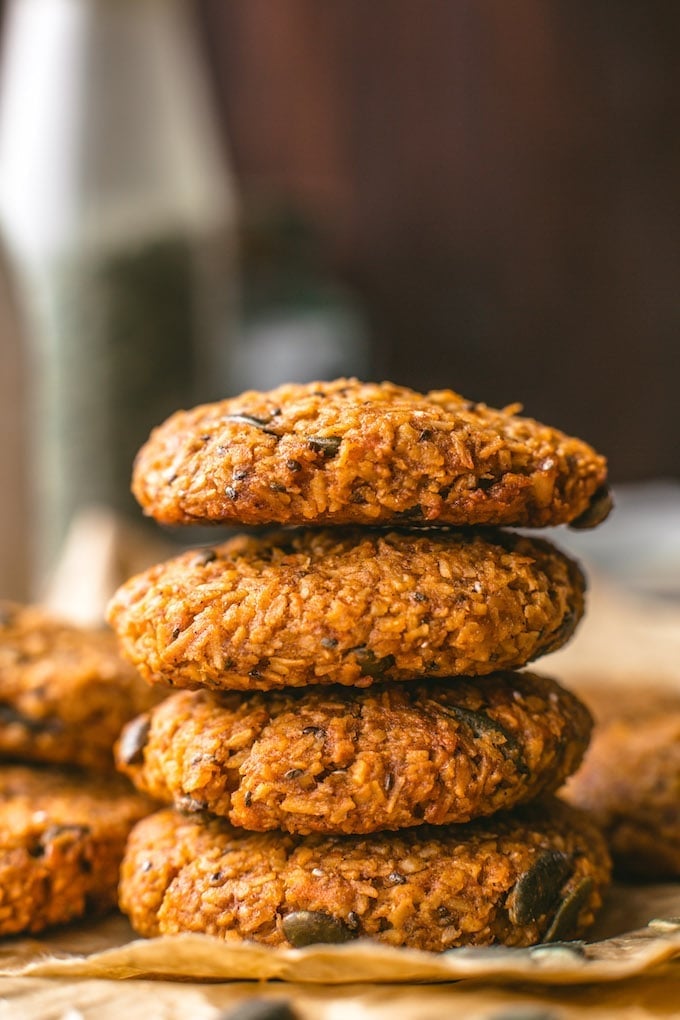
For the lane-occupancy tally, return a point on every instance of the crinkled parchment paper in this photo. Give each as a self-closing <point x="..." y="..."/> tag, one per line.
<point x="106" y="950"/>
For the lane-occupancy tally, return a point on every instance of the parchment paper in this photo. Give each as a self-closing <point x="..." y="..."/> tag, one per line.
<point x="110" y="950"/>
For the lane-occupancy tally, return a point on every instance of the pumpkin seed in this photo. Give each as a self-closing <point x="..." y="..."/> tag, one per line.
<point x="538" y="888"/>
<point x="482" y="725"/>
<point x="565" y="922"/>
<point x="308" y="927"/>
<point x="370" y="664"/>
<point x="596" y="511"/>
<point x="134" y="740"/>
<point x="327" y="445"/>
<point x="257" y="423"/>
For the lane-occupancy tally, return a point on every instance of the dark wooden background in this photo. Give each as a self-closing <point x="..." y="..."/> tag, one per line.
<point x="498" y="181"/>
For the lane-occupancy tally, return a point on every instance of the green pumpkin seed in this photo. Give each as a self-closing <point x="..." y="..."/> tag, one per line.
<point x="482" y="725"/>
<point x="327" y="445"/>
<point x="370" y="664"/>
<point x="596" y="511"/>
<point x="565" y="922"/>
<point x="257" y="423"/>
<point x="309" y="927"/>
<point x="538" y="888"/>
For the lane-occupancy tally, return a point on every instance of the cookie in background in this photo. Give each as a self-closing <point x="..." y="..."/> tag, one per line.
<point x="62" y="838"/>
<point x="65" y="693"/>
<point x="630" y="778"/>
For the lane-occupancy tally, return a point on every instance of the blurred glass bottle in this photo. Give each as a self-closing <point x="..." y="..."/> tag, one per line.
<point x="118" y="214"/>
<point x="299" y="322"/>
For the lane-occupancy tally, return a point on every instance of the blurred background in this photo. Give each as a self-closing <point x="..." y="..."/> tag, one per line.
<point x="478" y="194"/>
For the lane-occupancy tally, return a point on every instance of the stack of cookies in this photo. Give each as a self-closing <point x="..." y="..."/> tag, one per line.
<point x="351" y="754"/>
<point x="64" y="813"/>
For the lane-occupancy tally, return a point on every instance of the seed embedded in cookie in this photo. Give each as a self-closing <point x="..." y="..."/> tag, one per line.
<point x="336" y="760"/>
<point x="346" y="452"/>
<point x="348" y="606"/>
<point x="432" y="888"/>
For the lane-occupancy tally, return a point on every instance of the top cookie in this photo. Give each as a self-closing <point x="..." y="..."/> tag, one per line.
<point x="65" y="692"/>
<point x="346" y="452"/>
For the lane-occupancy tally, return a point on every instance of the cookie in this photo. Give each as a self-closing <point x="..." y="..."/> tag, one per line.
<point x="62" y="837"/>
<point x="65" y="692"/>
<point x="333" y="760"/>
<point x="346" y="452"/>
<point x="347" y="606"/>
<point x="531" y="876"/>
<point x="630" y="780"/>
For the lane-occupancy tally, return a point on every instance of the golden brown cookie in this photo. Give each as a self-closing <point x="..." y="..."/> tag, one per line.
<point x="62" y="837"/>
<point x="65" y="692"/>
<point x="347" y="606"/>
<point x="337" y="760"/>
<point x="630" y="780"/>
<point x="346" y="452"/>
<point x="522" y="878"/>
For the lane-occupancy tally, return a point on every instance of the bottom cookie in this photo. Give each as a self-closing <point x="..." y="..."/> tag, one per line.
<point x="62" y="837"/>
<point x="531" y="876"/>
